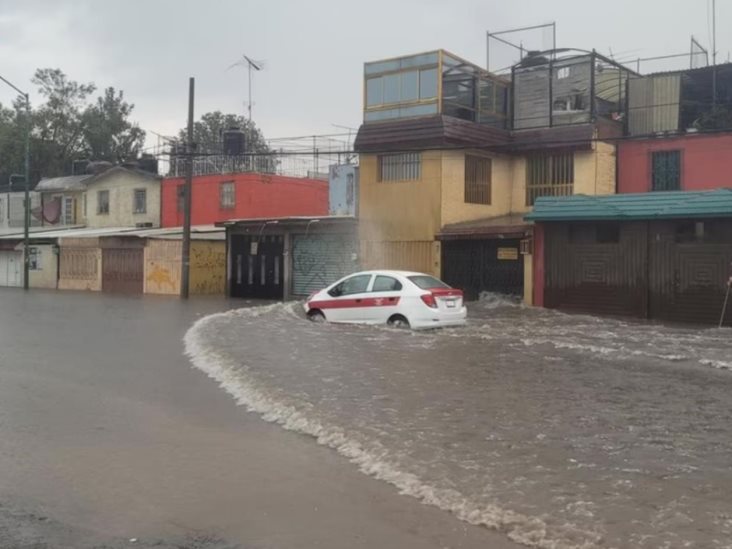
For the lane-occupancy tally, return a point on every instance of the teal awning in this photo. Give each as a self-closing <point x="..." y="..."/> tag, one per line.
<point x="633" y="206"/>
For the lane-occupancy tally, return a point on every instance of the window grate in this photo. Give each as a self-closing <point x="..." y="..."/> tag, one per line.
<point x="140" y="201"/>
<point x="549" y="175"/>
<point x="666" y="170"/>
<point x="477" y="179"/>
<point x="400" y="167"/>
<point x="227" y="197"/>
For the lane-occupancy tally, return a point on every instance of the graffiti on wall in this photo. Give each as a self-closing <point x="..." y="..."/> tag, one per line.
<point x="159" y="279"/>
<point x="321" y="260"/>
<point x="208" y="268"/>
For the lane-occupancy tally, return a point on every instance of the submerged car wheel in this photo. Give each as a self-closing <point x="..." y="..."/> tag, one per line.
<point x="398" y="321"/>
<point x="316" y="316"/>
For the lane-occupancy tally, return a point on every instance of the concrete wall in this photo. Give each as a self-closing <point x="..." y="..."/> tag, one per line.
<point x="594" y="171"/>
<point x="706" y="162"/>
<point x="121" y="187"/>
<point x="163" y="267"/>
<point x="12" y="210"/>
<point x="80" y="264"/>
<point x="255" y="195"/>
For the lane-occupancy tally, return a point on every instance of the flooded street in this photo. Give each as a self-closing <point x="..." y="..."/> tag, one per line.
<point x="559" y="431"/>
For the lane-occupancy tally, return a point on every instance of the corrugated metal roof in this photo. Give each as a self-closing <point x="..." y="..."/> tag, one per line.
<point x="654" y="205"/>
<point x="198" y="232"/>
<point x="68" y="183"/>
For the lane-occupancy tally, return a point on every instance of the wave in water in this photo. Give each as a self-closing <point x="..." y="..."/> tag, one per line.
<point x="374" y="461"/>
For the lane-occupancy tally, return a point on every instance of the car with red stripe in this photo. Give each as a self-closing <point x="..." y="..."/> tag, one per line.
<point x="396" y="298"/>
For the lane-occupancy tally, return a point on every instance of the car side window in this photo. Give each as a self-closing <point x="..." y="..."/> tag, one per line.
<point x="386" y="284"/>
<point x="353" y="285"/>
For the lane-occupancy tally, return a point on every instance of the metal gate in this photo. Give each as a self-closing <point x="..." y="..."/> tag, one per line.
<point x="122" y="270"/>
<point x="256" y="268"/>
<point x="11" y="268"/>
<point x="319" y="260"/>
<point x="476" y="266"/>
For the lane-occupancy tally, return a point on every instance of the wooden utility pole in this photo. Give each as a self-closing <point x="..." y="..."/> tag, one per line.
<point x="187" y="188"/>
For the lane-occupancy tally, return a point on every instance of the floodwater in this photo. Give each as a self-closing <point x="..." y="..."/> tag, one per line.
<point x="559" y="431"/>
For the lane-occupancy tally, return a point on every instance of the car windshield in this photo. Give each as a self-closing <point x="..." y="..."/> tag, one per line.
<point x="427" y="282"/>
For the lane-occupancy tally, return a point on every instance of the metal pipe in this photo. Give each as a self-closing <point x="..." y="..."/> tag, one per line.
<point x="726" y="299"/>
<point x="186" y="246"/>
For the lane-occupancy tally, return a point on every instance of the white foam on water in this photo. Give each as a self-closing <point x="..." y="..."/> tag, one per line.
<point x="374" y="461"/>
<point x="718" y="364"/>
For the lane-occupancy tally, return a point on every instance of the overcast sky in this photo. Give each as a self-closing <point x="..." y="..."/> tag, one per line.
<point x="313" y="50"/>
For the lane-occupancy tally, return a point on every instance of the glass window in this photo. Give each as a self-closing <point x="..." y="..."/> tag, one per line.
<point x="140" y="201"/>
<point x="381" y="66"/>
<point x="102" y="202"/>
<point x="427" y="83"/>
<point x="374" y="91"/>
<point x="427" y="282"/>
<point x="419" y="60"/>
<point x="353" y="285"/>
<point x="386" y="284"/>
<point x="666" y="171"/>
<point x="391" y="88"/>
<point x="227" y="198"/>
<point x="410" y="86"/>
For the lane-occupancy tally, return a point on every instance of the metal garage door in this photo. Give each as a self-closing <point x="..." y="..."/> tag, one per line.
<point x="11" y="268"/>
<point x="122" y="270"/>
<point x="256" y="268"/>
<point x="319" y="260"/>
<point x="491" y="265"/>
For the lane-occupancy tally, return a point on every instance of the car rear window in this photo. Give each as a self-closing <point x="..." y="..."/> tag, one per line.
<point x="427" y="282"/>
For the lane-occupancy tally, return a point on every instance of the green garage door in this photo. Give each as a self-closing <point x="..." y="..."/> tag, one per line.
<point x="320" y="259"/>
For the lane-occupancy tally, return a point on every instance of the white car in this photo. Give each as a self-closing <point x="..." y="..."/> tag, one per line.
<point x="396" y="298"/>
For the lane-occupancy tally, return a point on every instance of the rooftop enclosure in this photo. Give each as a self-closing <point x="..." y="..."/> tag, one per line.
<point x="430" y="84"/>
<point x="680" y="100"/>
<point x="564" y="87"/>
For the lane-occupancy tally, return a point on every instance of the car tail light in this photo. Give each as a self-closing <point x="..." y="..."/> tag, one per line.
<point x="429" y="300"/>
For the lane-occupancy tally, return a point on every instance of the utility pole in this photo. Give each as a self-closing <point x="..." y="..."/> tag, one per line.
<point x="26" y="208"/>
<point x="714" y="54"/>
<point x="187" y="188"/>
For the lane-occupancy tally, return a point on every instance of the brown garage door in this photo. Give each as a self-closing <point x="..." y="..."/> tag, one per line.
<point x="122" y="270"/>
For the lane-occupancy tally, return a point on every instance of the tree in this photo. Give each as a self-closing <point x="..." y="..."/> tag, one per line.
<point x="12" y="141"/>
<point x="58" y="122"/>
<point x="107" y="132"/>
<point x="208" y="133"/>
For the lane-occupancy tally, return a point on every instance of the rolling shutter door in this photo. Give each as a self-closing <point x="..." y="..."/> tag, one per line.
<point x="319" y="260"/>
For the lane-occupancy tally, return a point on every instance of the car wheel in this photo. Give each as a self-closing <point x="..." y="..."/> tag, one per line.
<point x="316" y="316"/>
<point x="398" y="321"/>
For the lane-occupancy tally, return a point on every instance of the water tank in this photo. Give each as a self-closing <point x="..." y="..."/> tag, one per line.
<point x="78" y="167"/>
<point x="148" y="163"/>
<point x="235" y="142"/>
<point x="98" y="166"/>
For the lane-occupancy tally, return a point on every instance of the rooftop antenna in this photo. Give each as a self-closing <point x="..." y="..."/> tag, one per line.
<point x="250" y="63"/>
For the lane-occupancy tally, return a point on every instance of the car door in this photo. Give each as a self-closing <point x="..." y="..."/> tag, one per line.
<point x="347" y="303"/>
<point x="384" y="298"/>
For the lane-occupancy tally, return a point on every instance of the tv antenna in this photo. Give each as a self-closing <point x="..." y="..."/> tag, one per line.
<point x="250" y="63"/>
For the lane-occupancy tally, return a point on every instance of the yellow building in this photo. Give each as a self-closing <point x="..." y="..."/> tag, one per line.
<point x="445" y="180"/>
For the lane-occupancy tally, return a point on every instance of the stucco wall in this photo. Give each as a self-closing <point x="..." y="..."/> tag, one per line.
<point x="706" y="162"/>
<point x="594" y="171"/>
<point x="399" y="219"/>
<point x="121" y="187"/>
<point x="46" y="275"/>
<point x="454" y="207"/>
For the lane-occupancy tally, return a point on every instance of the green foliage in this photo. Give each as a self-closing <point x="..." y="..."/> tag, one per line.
<point x="67" y="126"/>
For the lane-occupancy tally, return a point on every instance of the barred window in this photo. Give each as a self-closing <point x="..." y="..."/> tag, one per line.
<point x="226" y="195"/>
<point x="549" y="175"/>
<point x="102" y="202"/>
<point x="666" y="170"/>
<point x="140" y="201"/>
<point x="400" y="167"/>
<point x="477" y="179"/>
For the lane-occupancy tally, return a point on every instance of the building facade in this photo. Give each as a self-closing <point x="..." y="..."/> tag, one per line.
<point x="452" y="156"/>
<point x="220" y="197"/>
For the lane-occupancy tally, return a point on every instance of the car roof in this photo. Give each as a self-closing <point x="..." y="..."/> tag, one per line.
<point x="393" y="272"/>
